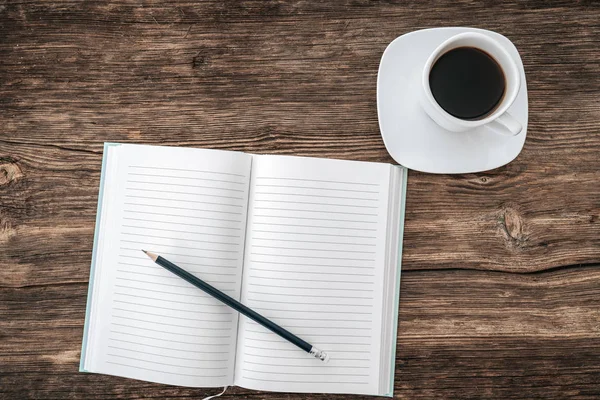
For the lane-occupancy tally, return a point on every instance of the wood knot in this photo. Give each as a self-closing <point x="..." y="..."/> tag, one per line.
<point x="6" y="231"/>
<point x="64" y="357"/>
<point x="9" y="171"/>
<point x="511" y="225"/>
<point x="486" y="180"/>
<point x="134" y="134"/>
<point x="198" y="61"/>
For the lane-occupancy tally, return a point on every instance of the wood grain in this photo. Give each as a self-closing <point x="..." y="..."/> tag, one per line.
<point x="501" y="270"/>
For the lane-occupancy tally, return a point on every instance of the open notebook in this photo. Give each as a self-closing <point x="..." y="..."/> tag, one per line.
<point x="312" y="244"/>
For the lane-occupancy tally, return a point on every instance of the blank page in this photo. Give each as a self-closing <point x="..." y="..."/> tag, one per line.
<point x="188" y="205"/>
<point x="314" y="264"/>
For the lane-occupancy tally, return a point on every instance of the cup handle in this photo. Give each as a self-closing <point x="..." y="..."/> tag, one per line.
<point x="505" y="124"/>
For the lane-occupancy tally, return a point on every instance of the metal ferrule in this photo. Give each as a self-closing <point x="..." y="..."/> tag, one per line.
<point x="320" y="354"/>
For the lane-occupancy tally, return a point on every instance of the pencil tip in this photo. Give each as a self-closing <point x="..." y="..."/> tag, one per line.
<point x="153" y="256"/>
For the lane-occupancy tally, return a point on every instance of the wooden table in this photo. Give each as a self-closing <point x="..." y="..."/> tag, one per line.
<point x="501" y="270"/>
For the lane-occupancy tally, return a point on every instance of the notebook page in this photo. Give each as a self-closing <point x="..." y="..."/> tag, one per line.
<point x="314" y="264"/>
<point x="188" y="205"/>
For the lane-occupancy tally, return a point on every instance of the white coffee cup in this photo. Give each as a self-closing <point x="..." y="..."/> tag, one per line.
<point x="498" y="120"/>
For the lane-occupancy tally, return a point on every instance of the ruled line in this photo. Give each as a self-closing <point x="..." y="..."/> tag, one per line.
<point x="314" y="304"/>
<point x="295" y="350"/>
<point x="303" y="373"/>
<point x="288" y="279"/>
<point x="120" y="278"/>
<point x="316" y="188"/>
<point x="319" y="226"/>
<point x="313" y="249"/>
<point x="179" y="318"/>
<point x="186" y="232"/>
<point x="288" y="382"/>
<point x="167" y="332"/>
<point x="313" y="335"/>
<point x="177" y="192"/>
<point x="316" y="219"/>
<point x="192" y="248"/>
<point x="187" y="170"/>
<point x="302" y="358"/>
<point x="304" y="287"/>
<point x="169" y="276"/>
<point x="186" y="185"/>
<point x="168" y="324"/>
<point x="182" y="208"/>
<point x="313" y="265"/>
<point x="169" y="340"/>
<point x="272" y="349"/>
<point x="316" y="195"/>
<point x="316" y="180"/>
<point x="307" y="272"/>
<point x="169" y="365"/>
<point x="195" y="233"/>
<point x="189" y="270"/>
<point x="312" y="311"/>
<point x="178" y="215"/>
<point x="302" y="366"/>
<point x="179" y="262"/>
<point x="323" y="319"/>
<point x="319" y="258"/>
<point x="311" y="295"/>
<point x="162" y="355"/>
<point x="192" y="256"/>
<point x="313" y="211"/>
<point x="312" y="234"/>
<point x="185" y="201"/>
<point x="178" y="309"/>
<point x="313" y="241"/>
<point x="164" y="372"/>
<point x="177" y="247"/>
<point x="314" y="327"/>
<point x="175" y="238"/>
<point x="298" y="350"/>
<point x="171" y="301"/>
<point x="312" y="203"/>
<point x="200" y="296"/>
<point x="185" y="177"/>
<point x="320" y="344"/>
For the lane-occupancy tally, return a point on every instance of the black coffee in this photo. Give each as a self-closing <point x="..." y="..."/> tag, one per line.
<point x="467" y="83"/>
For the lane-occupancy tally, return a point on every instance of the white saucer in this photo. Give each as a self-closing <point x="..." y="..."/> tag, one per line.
<point x="412" y="138"/>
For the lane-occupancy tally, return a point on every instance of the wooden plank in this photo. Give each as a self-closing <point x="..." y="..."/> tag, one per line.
<point x="503" y="220"/>
<point x="299" y="78"/>
<point x="462" y="333"/>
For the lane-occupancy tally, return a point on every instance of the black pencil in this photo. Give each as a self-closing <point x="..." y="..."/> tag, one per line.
<point x="239" y="307"/>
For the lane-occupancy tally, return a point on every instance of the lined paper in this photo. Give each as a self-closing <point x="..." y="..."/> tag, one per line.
<point x="188" y="205"/>
<point x="314" y="264"/>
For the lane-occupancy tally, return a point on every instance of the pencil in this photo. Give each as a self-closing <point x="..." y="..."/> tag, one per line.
<point x="239" y="307"/>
